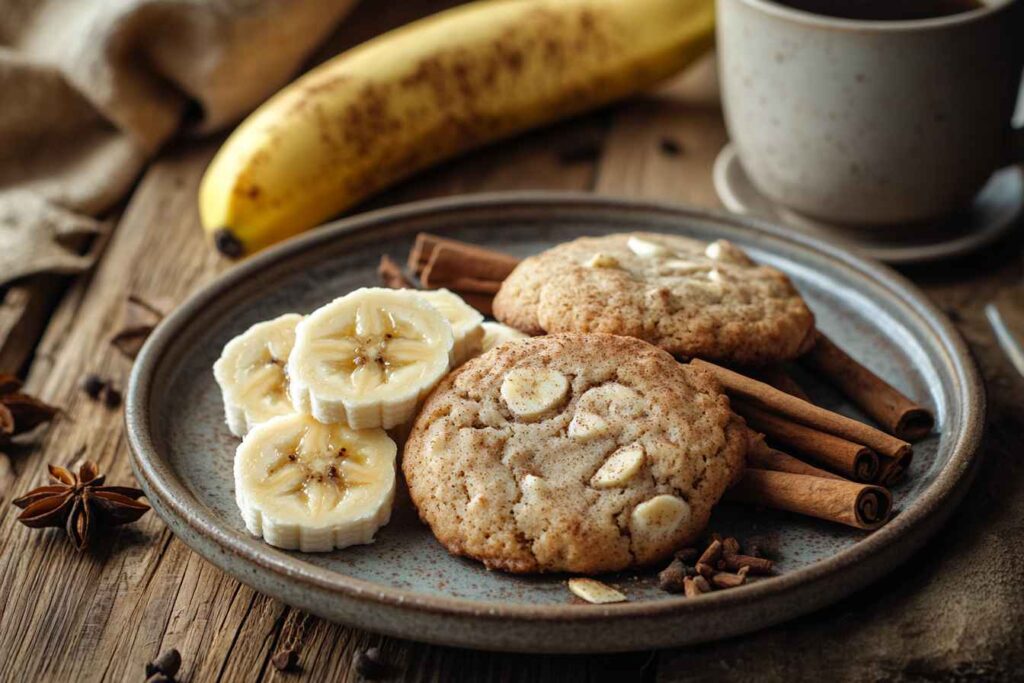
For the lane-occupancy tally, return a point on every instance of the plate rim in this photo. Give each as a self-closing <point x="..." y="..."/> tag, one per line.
<point x="152" y="470"/>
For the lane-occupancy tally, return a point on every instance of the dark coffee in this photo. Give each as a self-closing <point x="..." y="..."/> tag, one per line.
<point x="884" y="10"/>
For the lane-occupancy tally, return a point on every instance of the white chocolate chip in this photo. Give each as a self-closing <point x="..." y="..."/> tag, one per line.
<point x="619" y="468"/>
<point x="684" y="267"/>
<point x="659" y="517"/>
<point x="727" y="252"/>
<point x="642" y="247"/>
<point x="531" y="392"/>
<point x="587" y="426"/>
<point x="623" y="401"/>
<point x="600" y="260"/>
<point x="594" y="591"/>
<point x="715" y="275"/>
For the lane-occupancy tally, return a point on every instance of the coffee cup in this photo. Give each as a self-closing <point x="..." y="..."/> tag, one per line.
<point x="871" y="123"/>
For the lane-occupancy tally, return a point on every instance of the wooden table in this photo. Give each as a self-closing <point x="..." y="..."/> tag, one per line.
<point x="100" y="615"/>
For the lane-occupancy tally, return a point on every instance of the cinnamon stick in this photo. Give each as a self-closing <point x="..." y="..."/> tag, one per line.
<point x="880" y="400"/>
<point x="768" y="397"/>
<point x="468" y="285"/>
<point x="893" y="469"/>
<point x="778" y="377"/>
<point x="862" y="506"/>
<point x="762" y="456"/>
<point x="754" y="565"/>
<point x="727" y="580"/>
<point x="391" y="275"/>
<point x="481" y="302"/>
<point x="851" y="459"/>
<point x="448" y="258"/>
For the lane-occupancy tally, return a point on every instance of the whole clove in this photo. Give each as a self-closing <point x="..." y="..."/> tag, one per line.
<point x="755" y="565"/>
<point x="671" y="579"/>
<point x="728" y="580"/>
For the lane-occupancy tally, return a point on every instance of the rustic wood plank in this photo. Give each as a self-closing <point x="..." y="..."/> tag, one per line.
<point x="664" y="145"/>
<point x="24" y="311"/>
<point x="84" y="611"/>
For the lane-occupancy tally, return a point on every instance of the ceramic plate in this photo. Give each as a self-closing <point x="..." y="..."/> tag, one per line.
<point x="406" y="584"/>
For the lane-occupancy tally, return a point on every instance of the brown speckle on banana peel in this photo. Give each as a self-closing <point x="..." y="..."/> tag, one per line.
<point x="461" y="85"/>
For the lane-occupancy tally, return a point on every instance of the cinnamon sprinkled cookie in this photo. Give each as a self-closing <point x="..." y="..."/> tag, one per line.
<point x="573" y="452"/>
<point x="690" y="298"/>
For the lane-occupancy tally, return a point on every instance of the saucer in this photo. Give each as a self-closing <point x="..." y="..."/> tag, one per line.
<point x="992" y="214"/>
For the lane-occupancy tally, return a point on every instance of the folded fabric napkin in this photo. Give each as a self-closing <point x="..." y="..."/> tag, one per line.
<point x="92" y="88"/>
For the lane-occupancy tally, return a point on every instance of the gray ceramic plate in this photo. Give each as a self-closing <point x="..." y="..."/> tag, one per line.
<point x="406" y="584"/>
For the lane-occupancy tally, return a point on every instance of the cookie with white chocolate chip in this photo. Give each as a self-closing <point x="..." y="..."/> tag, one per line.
<point x="691" y="298"/>
<point x="580" y="453"/>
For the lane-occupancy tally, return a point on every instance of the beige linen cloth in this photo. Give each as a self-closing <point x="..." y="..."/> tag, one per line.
<point x="90" y="90"/>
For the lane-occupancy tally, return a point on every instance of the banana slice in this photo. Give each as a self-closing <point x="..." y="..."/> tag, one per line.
<point x="465" y="320"/>
<point x="496" y="334"/>
<point x="531" y="392"/>
<point x="313" y="487"/>
<point x="367" y="358"/>
<point x="251" y="373"/>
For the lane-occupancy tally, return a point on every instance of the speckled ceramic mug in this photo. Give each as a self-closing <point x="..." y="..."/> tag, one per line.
<point x="870" y="123"/>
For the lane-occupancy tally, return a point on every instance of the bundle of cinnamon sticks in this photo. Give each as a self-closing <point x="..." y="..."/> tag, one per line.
<point x="472" y="272"/>
<point x="803" y="458"/>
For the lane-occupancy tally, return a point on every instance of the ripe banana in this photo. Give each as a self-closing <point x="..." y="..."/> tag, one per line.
<point x="251" y="373"/>
<point x="428" y="91"/>
<point x="367" y="358"/>
<point x="313" y="487"/>
<point x="496" y="334"/>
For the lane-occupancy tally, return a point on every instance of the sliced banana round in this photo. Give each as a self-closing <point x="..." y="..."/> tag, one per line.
<point x="251" y="373"/>
<point x="466" y="322"/>
<point x="367" y="358"/>
<point x="496" y="334"/>
<point x="304" y="485"/>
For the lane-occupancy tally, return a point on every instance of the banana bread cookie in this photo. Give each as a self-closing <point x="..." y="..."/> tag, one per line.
<point x="580" y="453"/>
<point x="688" y="297"/>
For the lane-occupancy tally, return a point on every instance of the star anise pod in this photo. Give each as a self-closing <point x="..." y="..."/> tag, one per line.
<point x="80" y="504"/>
<point x="20" y="412"/>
